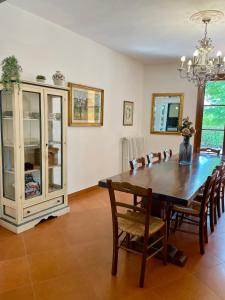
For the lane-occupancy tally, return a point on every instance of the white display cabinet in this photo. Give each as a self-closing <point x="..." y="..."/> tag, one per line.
<point x="33" y="154"/>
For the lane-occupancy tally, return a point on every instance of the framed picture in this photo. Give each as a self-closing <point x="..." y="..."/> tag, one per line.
<point x="85" y="105"/>
<point x="128" y="111"/>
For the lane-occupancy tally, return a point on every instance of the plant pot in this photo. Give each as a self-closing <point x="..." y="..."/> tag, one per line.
<point x="185" y="152"/>
<point x="40" y="80"/>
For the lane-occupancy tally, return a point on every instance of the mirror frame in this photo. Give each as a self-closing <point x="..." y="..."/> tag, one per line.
<point x="154" y="95"/>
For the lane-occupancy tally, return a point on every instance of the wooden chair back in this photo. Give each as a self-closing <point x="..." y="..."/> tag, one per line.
<point x="136" y="163"/>
<point x="223" y="175"/>
<point x="167" y="153"/>
<point x="134" y="190"/>
<point x="153" y="157"/>
<point x="223" y="187"/>
<point x="207" y="196"/>
<point x="217" y="184"/>
<point x="209" y="150"/>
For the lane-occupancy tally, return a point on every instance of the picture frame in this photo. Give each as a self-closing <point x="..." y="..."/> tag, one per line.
<point x="86" y="105"/>
<point x="128" y="113"/>
<point x="166" y="113"/>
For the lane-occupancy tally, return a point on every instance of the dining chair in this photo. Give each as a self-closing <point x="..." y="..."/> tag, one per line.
<point x="131" y="221"/>
<point x="136" y="163"/>
<point x="217" y="194"/>
<point x="222" y="191"/>
<point x="153" y="157"/>
<point x="214" y="209"/>
<point x="167" y="153"/>
<point x="195" y="213"/>
<point x="209" y="150"/>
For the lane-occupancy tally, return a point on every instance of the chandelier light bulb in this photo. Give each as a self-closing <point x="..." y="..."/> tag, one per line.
<point x="224" y="59"/>
<point x="196" y="53"/>
<point x="219" y="53"/>
<point x="189" y="66"/>
<point x="183" y="58"/>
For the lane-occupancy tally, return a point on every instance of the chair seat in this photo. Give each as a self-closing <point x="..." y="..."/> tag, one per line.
<point x="193" y="209"/>
<point x="134" y="223"/>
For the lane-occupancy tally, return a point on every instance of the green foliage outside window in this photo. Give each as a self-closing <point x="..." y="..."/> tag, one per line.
<point x="213" y="115"/>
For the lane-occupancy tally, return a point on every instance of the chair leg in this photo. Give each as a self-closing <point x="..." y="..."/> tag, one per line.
<point x="222" y="199"/>
<point x="115" y="253"/>
<point x="206" y="232"/>
<point x="176" y="223"/>
<point x="181" y="220"/>
<point x="135" y="200"/>
<point x="211" y="216"/>
<point x="218" y="205"/>
<point x="214" y="213"/>
<point x="165" y="245"/>
<point x="143" y="265"/>
<point x="168" y="222"/>
<point x="201" y="239"/>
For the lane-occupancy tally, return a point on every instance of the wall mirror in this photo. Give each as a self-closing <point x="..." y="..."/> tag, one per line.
<point x="167" y="113"/>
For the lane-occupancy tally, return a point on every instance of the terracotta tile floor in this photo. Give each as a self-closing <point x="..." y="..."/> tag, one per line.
<point x="69" y="258"/>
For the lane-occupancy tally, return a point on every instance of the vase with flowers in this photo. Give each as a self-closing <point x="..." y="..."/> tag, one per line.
<point x="185" y="151"/>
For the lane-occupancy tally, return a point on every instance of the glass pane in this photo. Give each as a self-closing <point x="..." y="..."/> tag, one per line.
<point x="54" y="143"/>
<point x="166" y="113"/>
<point x="213" y="117"/>
<point x="215" y="92"/>
<point x="7" y="135"/>
<point x="212" y="139"/>
<point x="32" y="144"/>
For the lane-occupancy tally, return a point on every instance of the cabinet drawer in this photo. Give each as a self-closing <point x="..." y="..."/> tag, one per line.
<point x="9" y="212"/>
<point x="42" y="206"/>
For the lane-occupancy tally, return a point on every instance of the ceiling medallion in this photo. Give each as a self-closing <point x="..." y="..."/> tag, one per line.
<point x="203" y="67"/>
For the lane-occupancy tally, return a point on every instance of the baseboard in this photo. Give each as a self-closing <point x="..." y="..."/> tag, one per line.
<point x="82" y="192"/>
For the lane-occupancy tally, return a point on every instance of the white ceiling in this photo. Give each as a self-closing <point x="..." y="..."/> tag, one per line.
<point x="148" y="30"/>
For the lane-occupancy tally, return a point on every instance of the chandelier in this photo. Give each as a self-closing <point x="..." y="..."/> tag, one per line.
<point x="203" y="67"/>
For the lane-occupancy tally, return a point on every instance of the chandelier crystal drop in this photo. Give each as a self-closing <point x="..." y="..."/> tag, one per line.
<point x="203" y="67"/>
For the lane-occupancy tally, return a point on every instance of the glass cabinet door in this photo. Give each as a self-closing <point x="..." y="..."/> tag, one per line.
<point x="7" y="136"/>
<point x="32" y="129"/>
<point x="55" y="144"/>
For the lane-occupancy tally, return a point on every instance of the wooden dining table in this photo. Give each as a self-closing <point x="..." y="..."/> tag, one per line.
<point x="169" y="180"/>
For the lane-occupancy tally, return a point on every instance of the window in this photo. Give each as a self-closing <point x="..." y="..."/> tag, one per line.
<point x="213" y="120"/>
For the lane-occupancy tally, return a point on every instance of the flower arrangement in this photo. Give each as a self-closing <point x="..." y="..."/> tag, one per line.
<point x="186" y="129"/>
<point x="11" y="72"/>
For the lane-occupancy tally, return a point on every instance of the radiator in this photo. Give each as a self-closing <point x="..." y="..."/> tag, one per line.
<point x="132" y="147"/>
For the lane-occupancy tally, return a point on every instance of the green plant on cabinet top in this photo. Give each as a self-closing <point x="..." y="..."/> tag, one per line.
<point x="11" y="73"/>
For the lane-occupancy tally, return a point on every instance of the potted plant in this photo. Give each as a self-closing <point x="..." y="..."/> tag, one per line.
<point x="11" y="72"/>
<point x="40" y="78"/>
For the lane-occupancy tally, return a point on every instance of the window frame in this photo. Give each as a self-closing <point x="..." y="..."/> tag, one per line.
<point x="199" y="120"/>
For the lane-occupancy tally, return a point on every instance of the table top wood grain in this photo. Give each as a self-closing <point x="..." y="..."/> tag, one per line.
<point x="170" y="180"/>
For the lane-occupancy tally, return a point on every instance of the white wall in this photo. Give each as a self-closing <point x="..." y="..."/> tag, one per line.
<point x="162" y="79"/>
<point x="42" y="48"/>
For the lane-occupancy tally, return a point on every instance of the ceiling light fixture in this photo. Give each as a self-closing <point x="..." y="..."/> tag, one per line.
<point x="203" y="67"/>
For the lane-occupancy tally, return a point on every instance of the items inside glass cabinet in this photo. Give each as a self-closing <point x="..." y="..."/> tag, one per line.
<point x="32" y="144"/>
<point x="7" y="146"/>
<point x="32" y="135"/>
<point x="54" y="143"/>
